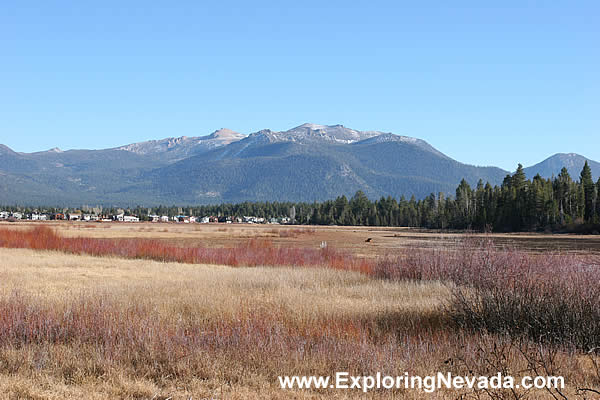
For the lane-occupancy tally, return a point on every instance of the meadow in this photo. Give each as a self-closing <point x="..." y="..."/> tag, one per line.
<point x="172" y="311"/>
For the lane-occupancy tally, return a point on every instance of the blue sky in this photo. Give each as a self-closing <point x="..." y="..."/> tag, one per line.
<point x="486" y="84"/>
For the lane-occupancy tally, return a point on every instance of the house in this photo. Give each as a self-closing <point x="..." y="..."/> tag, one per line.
<point x="154" y="218"/>
<point x="204" y="220"/>
<point x="74" y="216"/>
<point x="57" y="216"/>
<point x="164" y="218"/>
<point x="182" y="218"/>
<point x="192" y="219"/>
<point x="17" y="215"/>
<point x="119" y="217"/>
<point x="254" y="220"/>
<point x="130" y="218"/>
<point x="4" y="214"/>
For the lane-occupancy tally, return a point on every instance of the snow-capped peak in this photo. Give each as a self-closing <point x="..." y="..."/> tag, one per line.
<point x="310" y="132"/>
<point x="225" y="133"/>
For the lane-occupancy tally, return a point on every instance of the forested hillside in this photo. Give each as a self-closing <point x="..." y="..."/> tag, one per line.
<point x="518" y="204"/>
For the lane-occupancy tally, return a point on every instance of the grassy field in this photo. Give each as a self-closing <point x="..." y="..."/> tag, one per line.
<point x="124" y="326"/>
<point x="347" y="239"/>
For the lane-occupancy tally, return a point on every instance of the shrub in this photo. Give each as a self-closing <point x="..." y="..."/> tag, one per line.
<point x="550" y="298"/>
<point x="253" y="253"/>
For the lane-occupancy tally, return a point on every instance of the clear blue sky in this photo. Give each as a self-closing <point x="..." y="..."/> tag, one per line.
<point x="487" y="85"/>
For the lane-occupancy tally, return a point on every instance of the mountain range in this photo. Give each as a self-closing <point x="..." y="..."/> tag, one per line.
<point x="307" y="163"/>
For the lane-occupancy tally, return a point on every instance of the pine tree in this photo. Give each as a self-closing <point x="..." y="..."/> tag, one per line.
<point x="597" y="201"/>
<point x="519" y="180"/>
<point x="589" y="192"/>
<point x="463" y="202"/>
<point x="519" y="185"/>
<point x="562" y="189"/>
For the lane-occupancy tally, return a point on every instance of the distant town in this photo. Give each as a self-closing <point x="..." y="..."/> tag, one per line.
<point x="122" y="216"/>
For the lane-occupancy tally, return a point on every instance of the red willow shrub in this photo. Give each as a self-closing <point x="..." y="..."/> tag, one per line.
<point x="101" y="318"/>
<point x="135" y="338"/>
<point x="546" y="297"/>
<point x="254" y="253"/>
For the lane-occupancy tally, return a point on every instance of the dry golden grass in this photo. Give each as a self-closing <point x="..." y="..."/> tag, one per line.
<point x="215" y="290"/>
<point x="299" y="299"/>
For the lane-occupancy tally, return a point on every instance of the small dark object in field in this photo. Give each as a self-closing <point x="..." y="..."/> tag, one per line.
<point x="369" y="240"/>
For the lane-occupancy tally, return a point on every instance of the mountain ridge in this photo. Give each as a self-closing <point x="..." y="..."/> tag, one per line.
<point x="305" y="163"/>
<point x="552" y="166"/>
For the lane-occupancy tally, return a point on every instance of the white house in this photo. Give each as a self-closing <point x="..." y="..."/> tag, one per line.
<point x="4" y="214"/>
<point x="204" y="220"/>
<point x="164" y="218"/>
<point x="76" y="216"/>
<point x="254" y="220"/>
<point x="130" y="218"/>
<point x="154" y="218"/>
<point x="17" y="215"/>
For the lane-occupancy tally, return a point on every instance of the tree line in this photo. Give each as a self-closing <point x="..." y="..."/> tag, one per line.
<point x="518" y="204"/>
